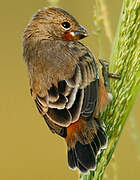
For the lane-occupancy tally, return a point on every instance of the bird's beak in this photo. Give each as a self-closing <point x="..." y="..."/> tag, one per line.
<point x="80" y="33"/>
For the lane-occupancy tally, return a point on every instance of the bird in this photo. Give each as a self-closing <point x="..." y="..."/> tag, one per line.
<point x="66" y="85"/>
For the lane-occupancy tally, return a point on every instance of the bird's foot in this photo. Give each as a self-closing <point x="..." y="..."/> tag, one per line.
<point x="106" y="74"/>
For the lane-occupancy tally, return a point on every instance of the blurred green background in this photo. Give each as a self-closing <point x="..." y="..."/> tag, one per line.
<point x="28" y="150"/>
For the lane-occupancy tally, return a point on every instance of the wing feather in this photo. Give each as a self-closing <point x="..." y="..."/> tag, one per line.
<point x="72" y="97"/>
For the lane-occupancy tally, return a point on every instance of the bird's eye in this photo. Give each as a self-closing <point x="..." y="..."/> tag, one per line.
<point x="66" y="25"/>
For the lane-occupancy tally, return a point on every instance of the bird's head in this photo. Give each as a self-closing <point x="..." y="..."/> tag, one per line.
<point x="55" y="24"/>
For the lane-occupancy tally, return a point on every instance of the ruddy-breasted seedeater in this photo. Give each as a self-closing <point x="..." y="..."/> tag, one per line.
<point x="65" y="84"/>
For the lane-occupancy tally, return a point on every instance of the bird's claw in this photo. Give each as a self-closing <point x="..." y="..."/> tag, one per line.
<point x="106" y="74"/>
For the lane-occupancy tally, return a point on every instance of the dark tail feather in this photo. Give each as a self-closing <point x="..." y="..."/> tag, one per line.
<point x="83" y="156"/>
<point x="101" y="133"/>
<point x="72" y="160"/>
<point x="103" y="137"/>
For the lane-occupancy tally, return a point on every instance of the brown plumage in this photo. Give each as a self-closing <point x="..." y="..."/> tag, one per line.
<point x="65" y="84"/>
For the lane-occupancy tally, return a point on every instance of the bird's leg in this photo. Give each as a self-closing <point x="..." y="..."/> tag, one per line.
<point x="106" y="74"/>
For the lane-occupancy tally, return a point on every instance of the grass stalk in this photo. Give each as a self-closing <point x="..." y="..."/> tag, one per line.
<point x="125" y="59"/>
